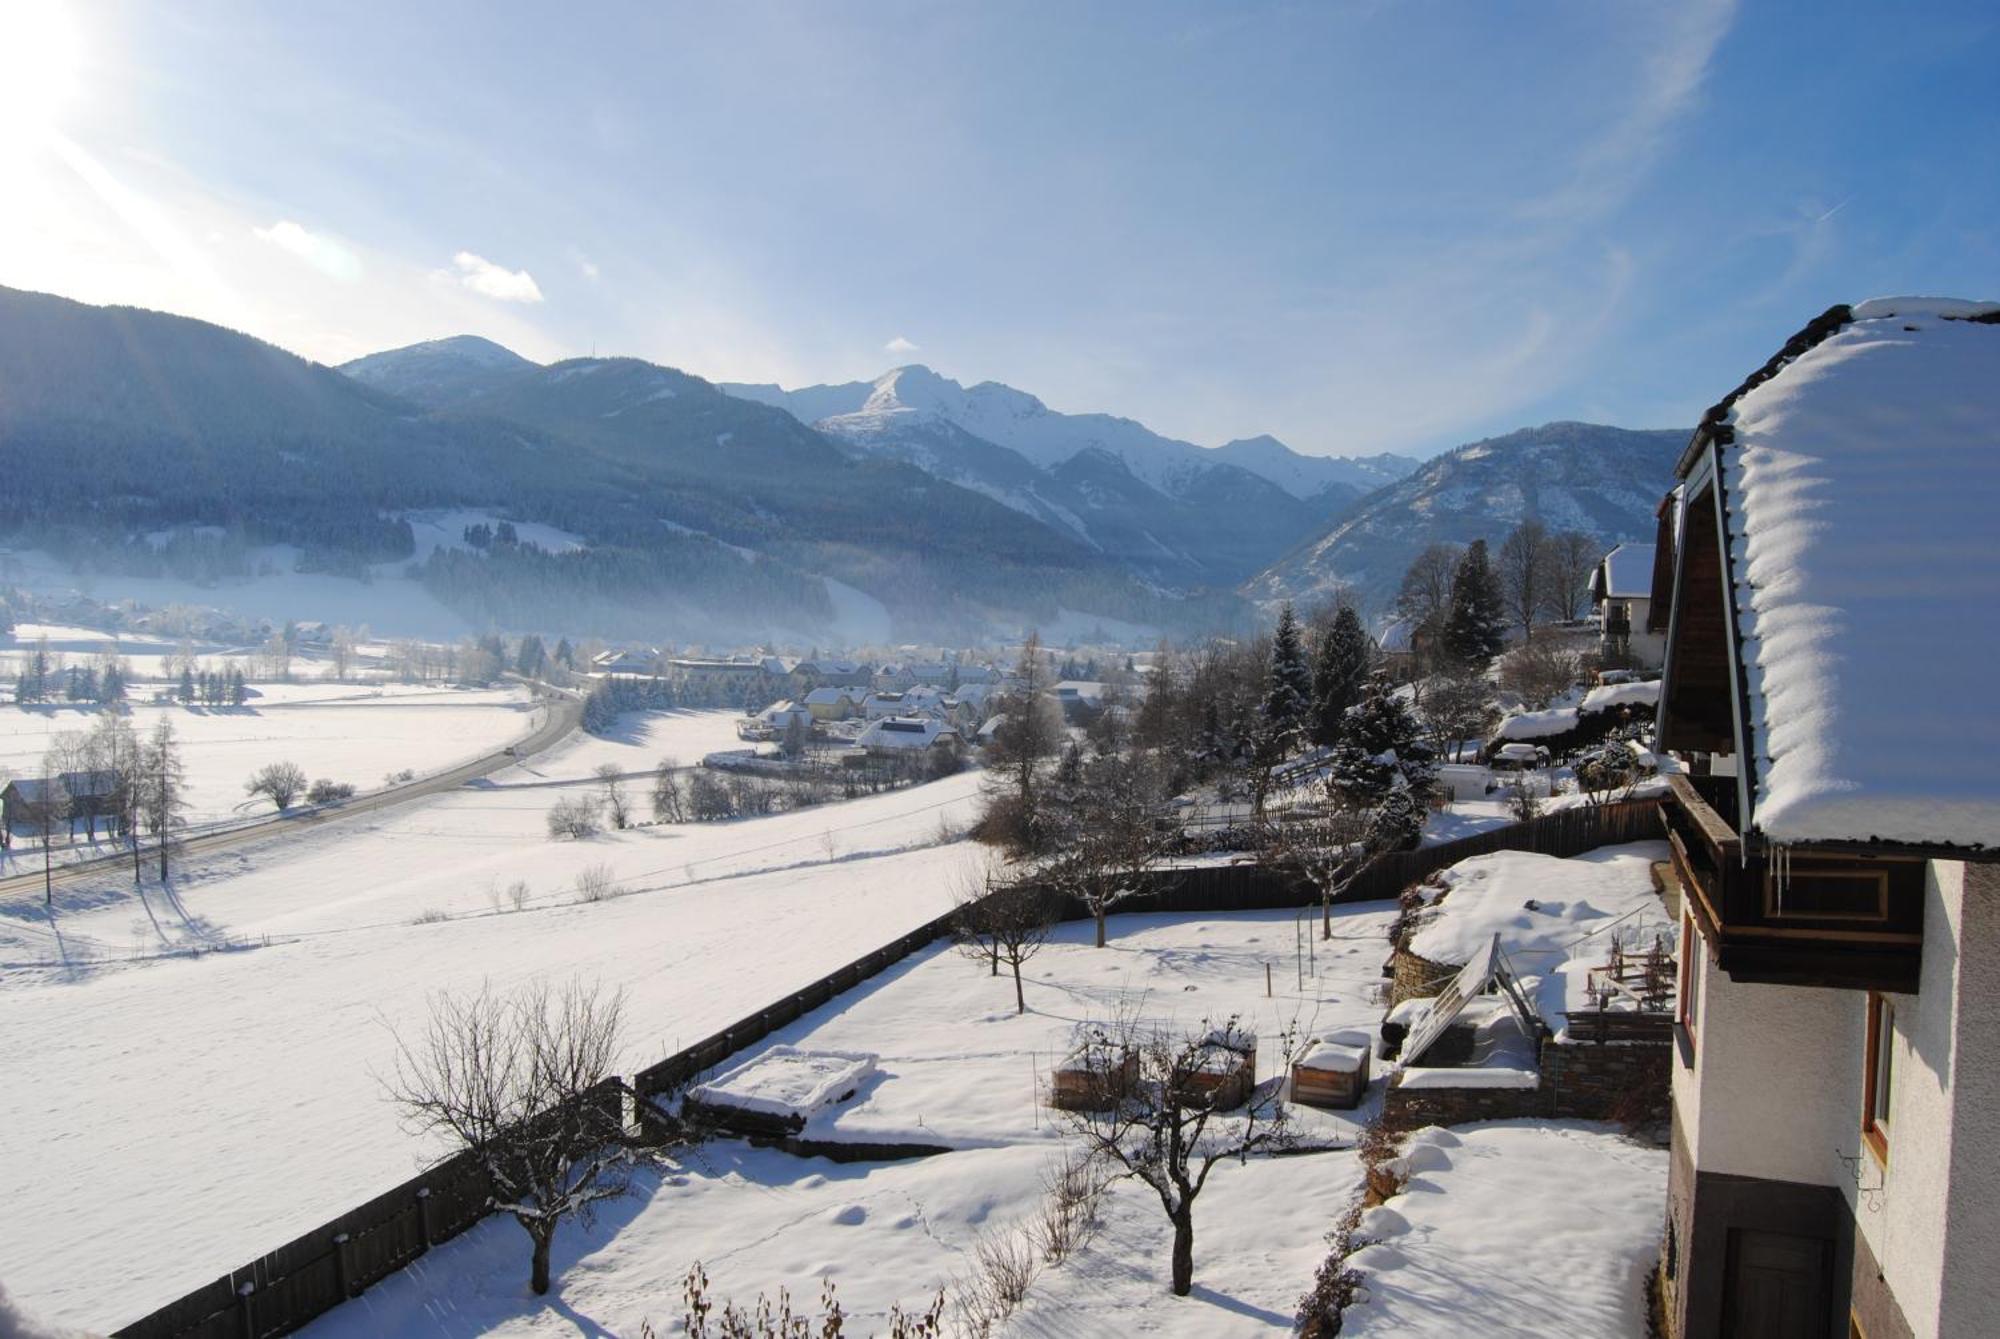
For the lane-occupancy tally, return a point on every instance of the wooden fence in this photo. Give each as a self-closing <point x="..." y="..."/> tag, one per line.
<point x="280" y="1292"/>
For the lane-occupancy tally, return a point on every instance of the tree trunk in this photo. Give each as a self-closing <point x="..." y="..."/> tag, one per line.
<point x="1184" y="1251"/>
<point x="1326" y="914"/>
<point x="1020" y="1001"/>
<point x="1099" y="909"/>
<point x="539" y="1280"/>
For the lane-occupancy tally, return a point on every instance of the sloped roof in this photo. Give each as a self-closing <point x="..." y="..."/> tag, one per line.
<point x="1859" y="476"/>
<point x="1627" y="572"/>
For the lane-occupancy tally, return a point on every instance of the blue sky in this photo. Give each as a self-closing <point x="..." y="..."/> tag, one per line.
<point x="1356" y="226"/>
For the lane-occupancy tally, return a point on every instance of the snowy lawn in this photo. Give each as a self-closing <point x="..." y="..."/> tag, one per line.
<point x="1513" y="1228"/>
<point x="956" y="1066"/>
<point x="169" y="1119"/>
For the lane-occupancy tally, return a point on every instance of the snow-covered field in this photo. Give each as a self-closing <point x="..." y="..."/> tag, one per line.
<point x="170" y="1117"/>
<point x="351" y="732"/>
<point x="958" y="1067"/>
<point x="1513" y="1228"/>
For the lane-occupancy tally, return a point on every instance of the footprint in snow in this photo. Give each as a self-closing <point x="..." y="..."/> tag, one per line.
<point x="851" y="1216"/>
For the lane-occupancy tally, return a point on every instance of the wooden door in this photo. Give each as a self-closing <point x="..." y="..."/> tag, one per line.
<point x="1776" y="1286"/>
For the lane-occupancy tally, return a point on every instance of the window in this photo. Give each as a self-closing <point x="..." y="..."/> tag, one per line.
<point x="1687" y="1007"/>
<point x="1878" y="1083"/>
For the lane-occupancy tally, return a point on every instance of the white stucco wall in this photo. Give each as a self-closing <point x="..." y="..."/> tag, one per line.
<point x="1971" y="1269"/>
<point x="1905" y="1227"/>
<point x="1776" y="1091"/>
<point x="1769" y="1062"/>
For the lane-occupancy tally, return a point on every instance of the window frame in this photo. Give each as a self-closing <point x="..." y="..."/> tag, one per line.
<point x="1687" y="988"/>
<point x="1878" y="1080"/>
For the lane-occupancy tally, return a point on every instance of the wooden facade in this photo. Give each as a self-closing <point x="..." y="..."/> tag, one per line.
<point x="1804" y="919"/>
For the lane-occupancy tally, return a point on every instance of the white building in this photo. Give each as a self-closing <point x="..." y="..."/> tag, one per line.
<point x="1836" y="1097"/>
<point x="1622" y="590"/>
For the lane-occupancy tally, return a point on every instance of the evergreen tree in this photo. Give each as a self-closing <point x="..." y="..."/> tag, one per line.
<point x="1287" y="689"/>
<point x="1381" y="751"/>
<point x="187" y="684"/>
<point x="239" y="689"/>
<point x="1338" y="674"/>
<point x="1473" y="630"/>
<point x="532" y="659"/>
<point x="565" y="654"/>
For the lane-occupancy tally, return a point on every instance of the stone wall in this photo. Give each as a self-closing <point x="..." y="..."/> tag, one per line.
<point x="1606" y="1080"/>
<point x="1410" y="1108"/>
<point x="1579" y="1080"/>
<point x="1415" y="977"/>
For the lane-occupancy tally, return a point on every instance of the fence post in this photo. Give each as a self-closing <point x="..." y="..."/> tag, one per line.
<point x="247" y="1308"/>
<point x="424" y="1216"/>
<point x="343" y="1266"/>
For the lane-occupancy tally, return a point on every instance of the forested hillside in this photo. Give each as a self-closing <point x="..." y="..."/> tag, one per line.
<point x="141" y="443"/>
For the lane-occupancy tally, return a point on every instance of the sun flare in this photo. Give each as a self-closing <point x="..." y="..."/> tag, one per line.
<point x="41" y="53"/>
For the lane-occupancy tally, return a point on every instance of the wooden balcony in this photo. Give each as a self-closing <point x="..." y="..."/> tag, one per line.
<point x="1845" y="921"/>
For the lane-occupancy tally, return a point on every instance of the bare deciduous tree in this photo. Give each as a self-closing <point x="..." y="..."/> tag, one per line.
<point x="1425" y="596"/>
<point x="574" y="817"/>
<point x="1327" y="841"/>
<point x="1005" y="922"/>
<point x="1454" y="706"/>
<point x="520" y="1084"/>
<point x="613" y="782"/>
<point x="1102" y="831"/>
<point x="279" y="782"/>
<point x="162" y="803"/>
<point x="1168" y="1132"/>
<point x="1539" y="672"/>
<point x="1525" y="576"/>
<point x="1572" y="557"/>
<point x="669" y="806"/>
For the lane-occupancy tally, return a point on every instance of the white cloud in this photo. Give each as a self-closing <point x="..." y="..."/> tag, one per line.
<point x="321" y="252"/>
<point x="1667" y="84"/>
<point x="899" y="346"/>
<point x="483" y="276"/>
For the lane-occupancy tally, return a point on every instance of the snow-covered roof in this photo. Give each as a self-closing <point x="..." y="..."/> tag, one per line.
<point x="1538" y="724"/>
<point x="903" y="732"/>
<point x="1627" y="573"/>
<point x="1395" y="637"/>
<point x="1607" y="696"/>
<point x="1860" y="480"/>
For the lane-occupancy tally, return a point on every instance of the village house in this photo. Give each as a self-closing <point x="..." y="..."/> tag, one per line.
<point x="1829" y="594"/>
<point x="1628" y="631"/>
<point x="640" y="661"/>
<point x="832" y="704"/>
<point x="720" y="681"/>
<point x="74" y="799"/>
<point x="905" y="737"/>
<point x="823" y="673"/>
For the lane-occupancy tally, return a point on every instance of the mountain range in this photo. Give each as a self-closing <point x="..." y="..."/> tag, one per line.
<point x="141" y="443"/>
<point x="1605" y="482"/>
<point x="1182" y="515"/>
